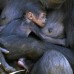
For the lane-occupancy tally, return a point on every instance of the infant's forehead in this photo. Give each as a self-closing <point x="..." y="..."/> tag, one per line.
<point x="43" y="14"/>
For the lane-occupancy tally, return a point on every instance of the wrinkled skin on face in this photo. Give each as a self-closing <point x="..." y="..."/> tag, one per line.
<point x="39" y="20"/>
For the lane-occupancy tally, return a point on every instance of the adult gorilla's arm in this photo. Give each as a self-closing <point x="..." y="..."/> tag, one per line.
<point x="37" y="31"/>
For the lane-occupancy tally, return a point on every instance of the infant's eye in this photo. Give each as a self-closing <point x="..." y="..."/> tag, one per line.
<point x="44" y="17"/>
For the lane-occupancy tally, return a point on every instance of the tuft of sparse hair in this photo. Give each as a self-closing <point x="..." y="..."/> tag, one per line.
<point x="34" y="7"/>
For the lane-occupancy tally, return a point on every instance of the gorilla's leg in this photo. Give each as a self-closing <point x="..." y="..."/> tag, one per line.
<point x="52" y="62"/>
<point x="31" y="48"/>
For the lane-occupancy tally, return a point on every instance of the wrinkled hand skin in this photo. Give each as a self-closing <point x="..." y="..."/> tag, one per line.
<point x="22" y="63"/>
<point x="4" y="64"/>
<point x="18" y="68"/>
<point x="2" y="71"/>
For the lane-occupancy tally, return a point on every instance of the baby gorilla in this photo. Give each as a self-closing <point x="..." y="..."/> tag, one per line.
<point x="34" y="16"/>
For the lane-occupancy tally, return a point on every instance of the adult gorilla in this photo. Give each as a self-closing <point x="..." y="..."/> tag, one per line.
<point x="67" y="7"/>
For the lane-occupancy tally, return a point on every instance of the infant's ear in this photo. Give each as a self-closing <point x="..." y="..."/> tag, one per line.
<point x="30" y="15"/>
